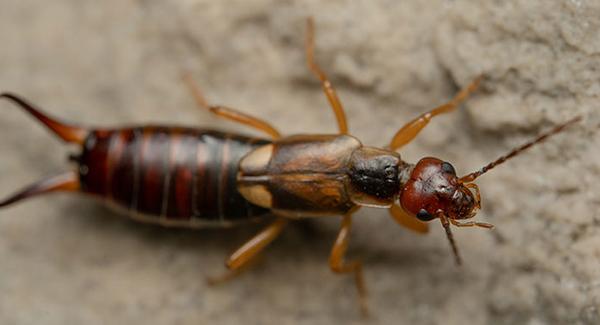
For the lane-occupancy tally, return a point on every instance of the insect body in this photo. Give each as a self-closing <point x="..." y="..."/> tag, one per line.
<point x="168" y="175"/>
<point x="173" y="176"/>
<point x="193" y="178"/>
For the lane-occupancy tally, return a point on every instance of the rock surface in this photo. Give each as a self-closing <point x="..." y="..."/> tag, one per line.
<point x="67" y="260"/>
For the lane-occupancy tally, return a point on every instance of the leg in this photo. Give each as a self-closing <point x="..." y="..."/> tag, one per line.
<point x="339" y="265"/>
<point x="244" y="255"/>
<point x="229" y="275"/>
<point x="409" y="131"/>
<point x="249" y="250"/>
<point x="229" y="113"/>
<point x="332" y="96"/>
<point x="408" y="221"/>
<point x="472" y="224"/>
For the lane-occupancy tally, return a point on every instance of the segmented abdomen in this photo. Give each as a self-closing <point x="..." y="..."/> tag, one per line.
<point x="176" y="176"/>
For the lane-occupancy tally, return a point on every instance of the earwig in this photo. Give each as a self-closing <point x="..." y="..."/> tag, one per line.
<point x="187" y="177"/>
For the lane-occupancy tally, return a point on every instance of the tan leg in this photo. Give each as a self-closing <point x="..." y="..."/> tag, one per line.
<point x="229" y="113"/>
<point x="472" y="224"/>
<point x="229" y="275"/>
<point x="339" y="265"/>
<point x="247" y="253"/>
<point x="409" y="131"/>
<point x="332" y="96"/>
<point x="252" y="247"/>
<point x="408" y="221"/>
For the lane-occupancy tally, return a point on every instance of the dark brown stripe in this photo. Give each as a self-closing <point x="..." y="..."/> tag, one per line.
<point x="199" y="184"/>
<point x="121" y="176"/>
<point x="144" y="148"/>
<point x="223" y="176"/>
<point x="92" y="169"/>
<point x="171" y="165"/>
<point x="136" y="169"/>
<point x="155" y="160"/>
<point x="115" y="151"/>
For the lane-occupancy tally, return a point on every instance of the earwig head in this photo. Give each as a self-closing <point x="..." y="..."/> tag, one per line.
<point x="434" y="189"/>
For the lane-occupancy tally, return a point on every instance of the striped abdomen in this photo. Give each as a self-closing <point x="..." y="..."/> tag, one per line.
<point x="175" y="176"/>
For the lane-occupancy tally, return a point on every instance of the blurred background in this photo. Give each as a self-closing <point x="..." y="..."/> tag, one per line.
<point x="66" y="259"/>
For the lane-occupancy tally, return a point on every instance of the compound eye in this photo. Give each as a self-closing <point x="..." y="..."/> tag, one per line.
<point x="423" y="215"/>
<point x="448" y="168"/>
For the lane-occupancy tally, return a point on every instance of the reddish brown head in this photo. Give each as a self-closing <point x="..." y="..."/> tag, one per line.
<point x="434" y="190"/>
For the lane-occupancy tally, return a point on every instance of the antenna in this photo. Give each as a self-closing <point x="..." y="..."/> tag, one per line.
<point x="472" y="176"/>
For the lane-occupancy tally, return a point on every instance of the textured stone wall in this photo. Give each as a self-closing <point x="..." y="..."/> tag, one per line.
<point x="68" y="260"/>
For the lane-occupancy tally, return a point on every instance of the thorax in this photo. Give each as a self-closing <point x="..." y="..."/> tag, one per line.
<point x="317" y="175"/>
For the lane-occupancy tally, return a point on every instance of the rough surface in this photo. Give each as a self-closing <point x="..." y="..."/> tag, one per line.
<point x="67" y="260"/>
